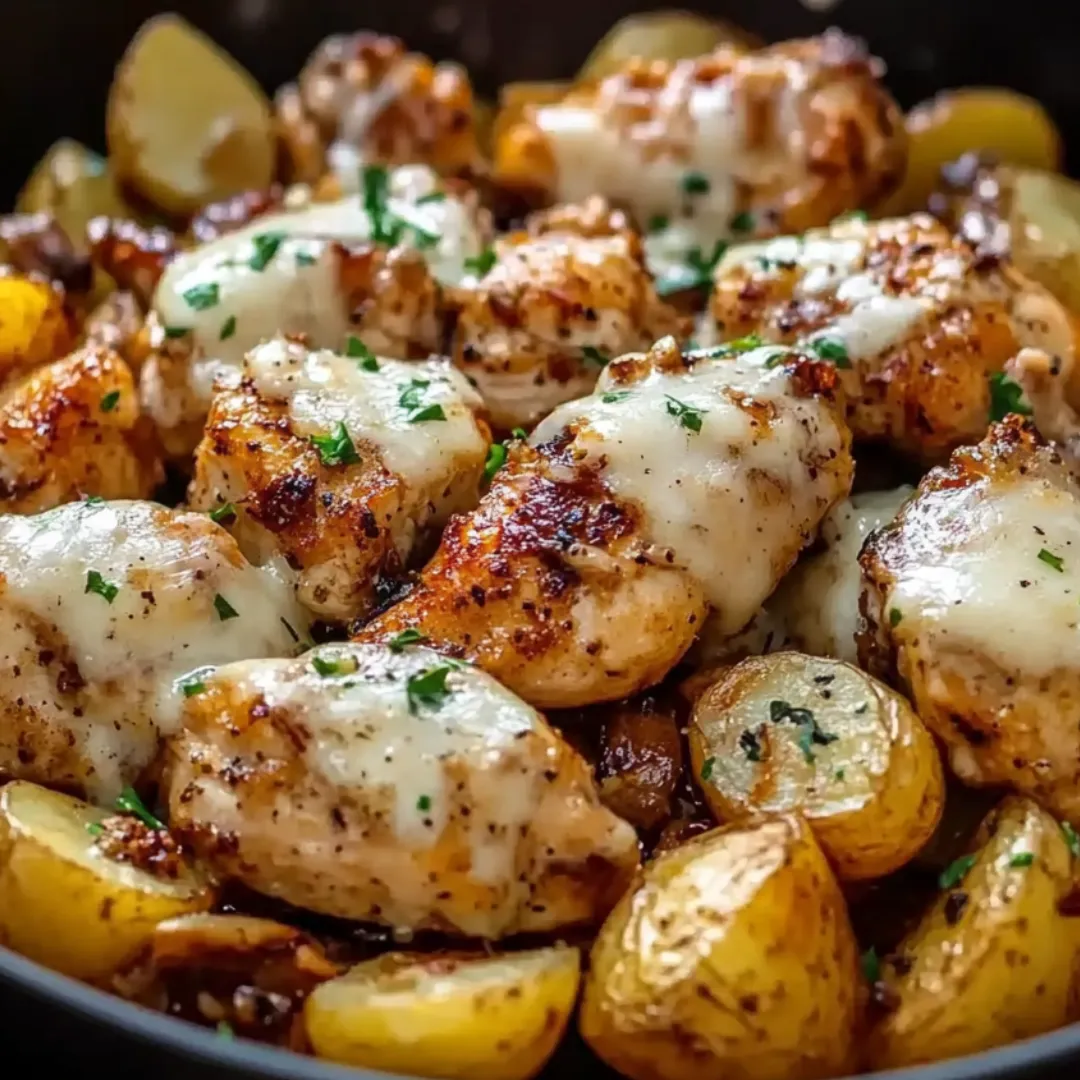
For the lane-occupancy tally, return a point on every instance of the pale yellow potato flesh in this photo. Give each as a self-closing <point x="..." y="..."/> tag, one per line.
<point x="790" y="732"/>
<point x="471" y="1018"/>
<point x="185" y="124"/>
<point x="63" y="902"/>
<point x="733" y="959"/>
<point x="993" y="960"/>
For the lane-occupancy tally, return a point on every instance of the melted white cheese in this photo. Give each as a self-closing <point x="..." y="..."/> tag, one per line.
<point x="978" y="582"/>
<point x="710" y="496"/>
<point x="324" y="389"/>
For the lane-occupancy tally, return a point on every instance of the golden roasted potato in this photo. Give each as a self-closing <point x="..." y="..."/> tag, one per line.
<point x="66" y="898"/>
<point x="477" y="1018"/>
<point x="34" y="327"/>
<point x="185" y="124"/>
<point x="515" y="98"/>
<point x="1008" y="125"/>
<point x="661" y="35"/>
<point x="790" y="732"/>
<point x="994" y="959"/>
<point x="733" y="957"/>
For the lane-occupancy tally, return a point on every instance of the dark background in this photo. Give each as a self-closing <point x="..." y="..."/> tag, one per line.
<point x="57" y="64"/>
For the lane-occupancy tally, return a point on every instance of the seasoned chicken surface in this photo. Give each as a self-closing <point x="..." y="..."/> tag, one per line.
<point x="371" y="265"/>
<point x="684" y="483"/>
<point x="775" y="140"/>
<point x="394" y="785"/>
<point x="73" y="428"/>
<point x="917" y="320"/>
<point x="973" y="594"/>
<point x="363" y="98"/>
<point x="105" y="609"/>
<point x="561" y="298"/>
<point x="339" y="464"/>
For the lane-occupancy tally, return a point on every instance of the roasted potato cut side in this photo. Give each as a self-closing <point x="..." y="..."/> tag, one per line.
<point x="66" y="898"/>
<point x="790" y="732"/>
<point x="34" y="328"/>
<point x="994" y="959"/>
<point x="185" y="124"/>
<point x="733" y="957"/>
<point x="477" y="1018"/>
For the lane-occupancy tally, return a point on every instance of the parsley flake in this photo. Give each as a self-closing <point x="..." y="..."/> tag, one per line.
<point x="401" y="641"/>
<point x="427" y="688"/>
<point x="519" y="433"/>
<point x="95" y="583"/>
<point x="695" y="273"/>
<point x="595" y="356"/>
<point x="341" y="665"/>
<point x="1021" y="860"/>
<point x="482" y="263"/>
<point x="496" y="458"/>
<point x="95" y="828"/>
<point x="707" y="768"/>
<point x="871" y="965"/>
<point x="305" y="258"/>
<point x="93" y="500"/>
<point x="956" y="871"/>
<point x="695" y="183"/>
<point x="410" y="396"/>
<point x="810" y="733"/>
<point x="851" y="215"/>
<point x="128" y="802"/>
<point x="292" y="633"/>
<point x="266" y="247"/>
<point x="658" y="223"/>
<point x="355" y="349"/>
<point x="428" y="412"/>
<point x="831" y="349"/>
<point x="193" y="687"/>
<point x="224" y="609"/>
<point x="1071" y="838"/>
<point x="225" y="1031"/>
<point x="750" y="745"/>
<point x="336" y="448"/>
<point x="742" y="222"/>
<point x="1006" y="397"/>
<point x="735" y="346"/>
<point x="687" y="415"/>
<point x="895" y="615"/>
<point x="202" y="297"/>
<point x="228" y="328"/>
<point x="1052" y="560"/>
<point x="375" y="184"/>
<point x="612" y="396"/>
<point x="223" y="515"/>
<point x="176" y="331"/>
<point x="110" y="401"/>
<point x="431" y="197"/>
<point x="423" y="804"/>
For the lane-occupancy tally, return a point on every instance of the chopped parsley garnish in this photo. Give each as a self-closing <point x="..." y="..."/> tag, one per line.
<point x="695" y="183"/>
<point x="612" y="396"/>
<point x="595" y="356"/>
<point x="496" y="459"/>
<point x="839" y="774"/>
<point x="1021" y="860"/>
<point x="305" y="258"/>
<point x="176" y="331"/>
<point x="193" y="687"/>
<point x="225" y="1031"/>
<point x="695" y="273"/>
<point x="895" y="615"/>
<point x="95" y="583"/>
<point x="266" y="247"/>
<point x="1006" y="397"/>
<point x="1056" y="561"/>
<point x="482" y="263"/>
<point x="202" y="297"/>
<point x="110" y="400"/>
<point x="428" y="412"/>
<point x="336" y="448"/>
<point x="431" y="197"/>
<point x="400" y="642"/>
<point x="810" y="733"/>
<point x="689" y="417"/>
<point x="93" y="500"/>
<point x="357" y="350"/>
<point x="228" y="328"/>
<point x="956" y="871"/>
<point x="342" y="665"/>
<point x="95" y="828"/>
<point x="223" y="515"/>
<point x="519" y="433"/>
<point x="224" y="609"/>
<point x="1072" y="838"/>
<point x="289" y="627"/>
<point x="851" y="215"/>
<point x="736" y="346"/>
<point x="658" y="223"/>
<point x="375" y="184"/>
<point x="427" y="688"/>
<point x="871" y="965"/>
<point x="128" y="802"/>
<point x="707" y="768"/>
<point x="742" y="222"/>
<point x="750" y="745"/>
<point x="423" y="804"/>
<point x="410" y="396"/>
<point x="831" y="349"/>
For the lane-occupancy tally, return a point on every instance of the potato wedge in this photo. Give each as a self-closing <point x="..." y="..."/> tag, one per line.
<point x="185" y="124"/>
<point x="790" y="732"/>
<point x="733" y="957"/>
<point x="661" y="35"/>
<point x="66" y="904"/>
<point x="1012" y="127"/>
<point x="477" y="1018"/>
<point x="994" y="959"/>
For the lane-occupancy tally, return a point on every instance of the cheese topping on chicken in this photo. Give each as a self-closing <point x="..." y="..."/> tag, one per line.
<point x="106" y="606"/>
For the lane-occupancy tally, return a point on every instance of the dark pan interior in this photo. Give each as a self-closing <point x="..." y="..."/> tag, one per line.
<point x="59" y="59"/>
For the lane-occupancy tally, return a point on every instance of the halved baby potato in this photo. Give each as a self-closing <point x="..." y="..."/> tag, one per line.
<point x="63" y="901"/>
<point x="790" y="732"/>
<point x="477" y="1018"/>
<point x="733" y="957"/>
<point x="995" y="959"/>
<point x="34" y="328"/>
<point x="185" y="124"/>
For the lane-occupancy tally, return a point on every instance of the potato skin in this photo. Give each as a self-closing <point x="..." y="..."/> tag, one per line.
<point x="733" y="959"/>
<point x="994" y="959"/>
<point x="873" y="795"/>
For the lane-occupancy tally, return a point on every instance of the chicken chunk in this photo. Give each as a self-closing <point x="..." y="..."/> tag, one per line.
<point x="394" y="785"/>
<point x="362" y="97"/>
<point x="684" y="483"/>
<point x="340" y="464"/>
<point x="775" y="140"/>
<point x="560" y="299"/>
<point x="917" y="320"/>
<point x="973" y="595"/>
<point x="107" y="612"/>
<point x="373" y="266"/>
<point x="73" y="428"/>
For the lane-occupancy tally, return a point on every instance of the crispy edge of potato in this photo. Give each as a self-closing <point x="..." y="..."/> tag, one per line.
<point x="68" y="907"/>
<point x="994" y="959"/>
<point x="733" y="956"/>
<point x="34" y="327"/>
<point x="474" y="1018"/>
<point x="862" y="769"/>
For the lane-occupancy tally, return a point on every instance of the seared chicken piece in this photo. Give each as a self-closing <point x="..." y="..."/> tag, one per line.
<point x="363" y="98"/>
<point x="73" y="428"/>
<point x="105" y="609"/>
<point x="373" y="266"/>
<point x="394" y="785"/>
<point x="684" y="483"/>
<point x="343" y="504"/>
<point x="560" y="299"/>
<point x="734" y="142"/>
<point x="917" y="320"/>
<point x="974" y="594"/>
